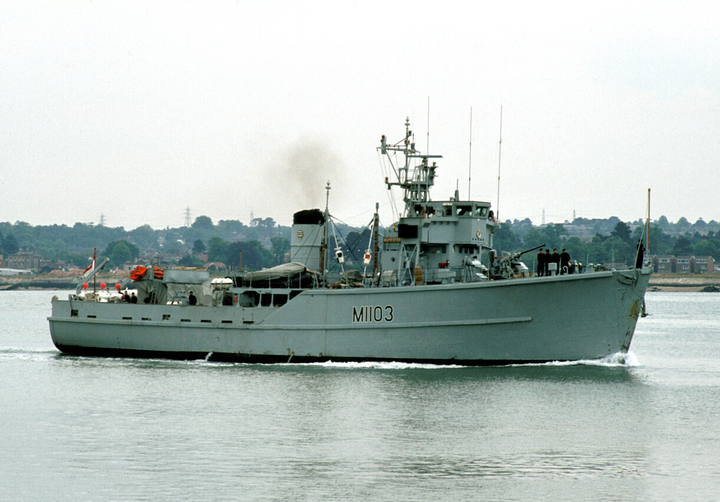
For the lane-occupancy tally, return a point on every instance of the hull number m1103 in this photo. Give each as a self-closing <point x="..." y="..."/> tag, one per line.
<point x="369" y="313"/>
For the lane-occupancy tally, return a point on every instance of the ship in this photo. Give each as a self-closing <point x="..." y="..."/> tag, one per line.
<point x="432" y="290"/>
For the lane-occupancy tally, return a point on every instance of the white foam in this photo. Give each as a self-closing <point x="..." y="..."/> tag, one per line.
<point x="9" y="353"/>
<point x="391" y="365"/>
<point x="616" y="360"/>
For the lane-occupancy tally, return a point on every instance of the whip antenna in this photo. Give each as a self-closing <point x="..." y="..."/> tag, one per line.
<point x="470" y="156"/>
<point x="497" y="206"/>
<point x="427" y="150"/>
<point x="647" y="238"/>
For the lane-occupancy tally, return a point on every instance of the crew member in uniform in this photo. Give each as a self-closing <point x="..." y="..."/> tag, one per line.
<point x="640" y="252"/>
<point x="548" y="260"/>
<point x="540" y="263"/>
<point x="555" y="259"/>
<point x="564" y="262"/>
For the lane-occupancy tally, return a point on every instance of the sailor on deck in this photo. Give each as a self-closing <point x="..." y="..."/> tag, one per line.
<point x="564" y="262"/>
<point x="541" y="263"/>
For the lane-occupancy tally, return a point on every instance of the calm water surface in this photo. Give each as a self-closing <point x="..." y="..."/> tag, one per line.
<point x="643" y="427"/>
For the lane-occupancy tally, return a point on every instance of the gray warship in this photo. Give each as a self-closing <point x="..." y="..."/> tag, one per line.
<point x="425" y="296"/>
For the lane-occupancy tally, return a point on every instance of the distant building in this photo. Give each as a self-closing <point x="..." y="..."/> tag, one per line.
<point x="702" y="264"/>
<point x="664" y="264"/>
<point x="683" y="264"/>
<point x="14" y="271"/>
<point x="131" y="265"/>
<point x="669" y="264"/>
<point x="24" y="260"/>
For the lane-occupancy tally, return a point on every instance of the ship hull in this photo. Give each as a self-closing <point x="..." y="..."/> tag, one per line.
<point x="571" y="317"/>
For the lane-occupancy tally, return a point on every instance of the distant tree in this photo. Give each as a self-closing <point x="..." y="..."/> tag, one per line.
<point x="229" y="228"/>
<point x="203" y="223"/>
<point x="663" y="222"/>
<point x="10" y="244"/>
<point x="504" y="239"/>
<point x="120" y="252"/>
<point x="174" y="234"/>
<point x="262" y="222"/>
<point x="700" y="226"/>
<point x="79" y="260"/>
<point x="576" y="248"/>
<point x="174" y="247"/>
<point x="521" y="228"/>
<point x="682" y="224"/>
<point x="683" y="246"/>
<point x="549" y="236"/>
<point x="280" y="246"/>
<point x="660" y="242"/>
<point x="198" y="246"/>
<point x="554" y="233"/>
<point x="622" y="231"/>
<point x="132" y="248"/>
<point x="618" y="250"/>
<point x="190" y="261"/>
<point x="706" y="247"/>
<point x="145" y="237"/>
<point x="218" y="249"/>
<point x="254" y="255"/>
<point x="534" y="237"/>
<point x="355" y="245"/>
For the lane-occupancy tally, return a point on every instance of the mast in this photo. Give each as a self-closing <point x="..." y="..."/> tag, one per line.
<point x="470" y="156"/>
<point x="323" y="243"/>
<point x="427" y="145"/>
<point x="497" y="206"/>
<point x="376" y="244"/>
<point x="94" y="276"/>
<point x="414" y="180"/>
<point x="647" y="248"/>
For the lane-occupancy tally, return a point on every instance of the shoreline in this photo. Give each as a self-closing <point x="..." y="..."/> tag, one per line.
<point x="690" y="284"/>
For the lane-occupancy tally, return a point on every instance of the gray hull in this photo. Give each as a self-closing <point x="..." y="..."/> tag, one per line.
<point x="571" y="317"/>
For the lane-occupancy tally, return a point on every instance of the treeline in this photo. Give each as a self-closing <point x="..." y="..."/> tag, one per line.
<point x="263" y="243"/>
<point x="72" y="246"/>
<point x="619" y="246"/>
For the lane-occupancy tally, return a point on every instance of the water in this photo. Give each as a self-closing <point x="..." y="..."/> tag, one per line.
<point x="643" y="427"/>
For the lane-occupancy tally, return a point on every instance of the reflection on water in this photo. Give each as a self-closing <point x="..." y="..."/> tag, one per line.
<point x="642" y="426"/>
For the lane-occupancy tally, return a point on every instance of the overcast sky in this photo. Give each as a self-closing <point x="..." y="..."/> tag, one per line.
<point x="138" y="110"/>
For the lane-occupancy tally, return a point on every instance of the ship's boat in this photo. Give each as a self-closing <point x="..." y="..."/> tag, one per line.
<point x="432" y="290"/>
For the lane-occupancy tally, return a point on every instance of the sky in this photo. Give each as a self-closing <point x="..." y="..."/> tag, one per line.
<point x="136" y="111"/>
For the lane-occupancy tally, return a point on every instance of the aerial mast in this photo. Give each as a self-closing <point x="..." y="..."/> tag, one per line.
<point x="427" y="145"/>
<point x="648" y="225"/>
<point x="497" y="206"/>
<point x="376" y="244"/>
<point x="470" y="156"/>
<point x="323" y="245"/>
